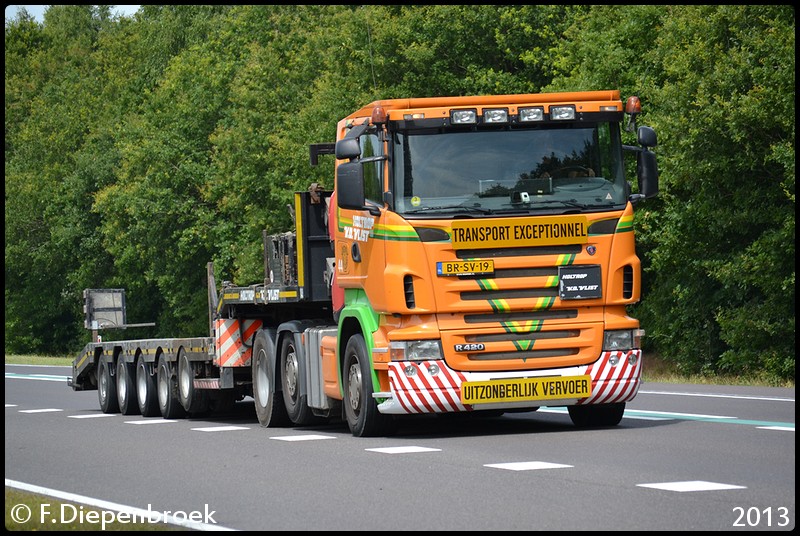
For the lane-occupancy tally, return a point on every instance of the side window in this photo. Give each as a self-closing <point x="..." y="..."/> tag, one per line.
<point x="373" y="171"/>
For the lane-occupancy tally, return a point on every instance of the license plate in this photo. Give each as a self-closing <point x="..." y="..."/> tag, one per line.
<point x="465" y="267"/>
<point x="524" y="389"/>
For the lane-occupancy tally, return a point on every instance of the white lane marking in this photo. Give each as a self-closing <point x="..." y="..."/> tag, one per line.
<point x="151" y="421"/>
<point x="781" y="428"/>
<point x="131" y="511"/>
<point x="11" y="405"/>
<point x="402" y="450"/>
<point x="91" y="416"/>
<point x="41" y="377"/>
<point x="695" y="415"/>
<point x="307" y="437"/>
<point x="220" y="428"/>
<point x="527" y="466"/>
<point x="712" y="395"/>
<point x="691" y="485"/>
<point x="46" y="410"/>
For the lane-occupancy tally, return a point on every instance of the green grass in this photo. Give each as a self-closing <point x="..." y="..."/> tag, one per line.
<point x="38" y="360"/>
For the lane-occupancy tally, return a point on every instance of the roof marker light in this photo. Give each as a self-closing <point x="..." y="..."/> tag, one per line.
<point x="463" y="117"/>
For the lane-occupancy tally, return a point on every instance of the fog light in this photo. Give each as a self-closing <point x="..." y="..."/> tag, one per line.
<point x="614" y="359"/>
<point x="410" y="371"/>
<point x="433" y="370"/>
<point x="632" y="358"/>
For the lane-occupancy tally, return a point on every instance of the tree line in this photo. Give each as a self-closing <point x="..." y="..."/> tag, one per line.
<point x="139" y="148"/>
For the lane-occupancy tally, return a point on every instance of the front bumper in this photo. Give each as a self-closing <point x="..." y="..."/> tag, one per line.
<point x="433" y="387"/>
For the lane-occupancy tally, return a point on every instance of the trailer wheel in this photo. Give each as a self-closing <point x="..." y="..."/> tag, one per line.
<point x="106" y="388"/>
<point x="126" y="390"/>
<point x="193" y="400"/>
<point x="296" y="406"/>
<point x="360" y="408"/>
<point x="270" y="411"/>
<point x="595" y="416"/>
<point x="146" y="389"/>
<point x="168" y="403"/>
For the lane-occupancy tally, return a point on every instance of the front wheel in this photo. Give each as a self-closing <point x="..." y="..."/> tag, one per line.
<point x="596" y="416"/>
<point x="360" y="408"/>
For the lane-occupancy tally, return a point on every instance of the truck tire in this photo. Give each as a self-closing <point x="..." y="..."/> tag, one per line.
<point x="194" y="401"/>
<point x="168" y="403"/>
<point x="361" y="410"/>
<point x="106" y="388"/>
<point x="146" y="389"/>
<point x="596" y="416"/>
<point x="126" y="389"/>
<point x="269" y="409"/>
<point x="296" y="406"/>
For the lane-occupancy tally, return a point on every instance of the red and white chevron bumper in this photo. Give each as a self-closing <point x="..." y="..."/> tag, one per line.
<point x="433" y="387"/>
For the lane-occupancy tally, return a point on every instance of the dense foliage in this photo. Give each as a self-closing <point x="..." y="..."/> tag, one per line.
<point x="138" y="149"/>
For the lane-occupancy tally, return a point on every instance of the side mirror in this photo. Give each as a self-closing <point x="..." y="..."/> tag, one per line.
<point x="348" y="148"/>
<point x="349" y="183"/>
<point x="647" y="137"/>
<point x="647" y="171"/>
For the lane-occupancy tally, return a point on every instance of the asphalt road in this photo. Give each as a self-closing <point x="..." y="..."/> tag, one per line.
<point x="685" y="457"/>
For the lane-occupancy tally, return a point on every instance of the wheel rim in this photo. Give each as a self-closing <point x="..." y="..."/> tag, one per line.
<point x="163" y="388"/>
<point x="186" y="377"/>
<point x="141" y="381"/>
<point x="262" y="380"/>
<point x="354" y="387"/>
<point x="103" y="383"/>
<point x="122" y="384"/>
<point x="290" y="372"/>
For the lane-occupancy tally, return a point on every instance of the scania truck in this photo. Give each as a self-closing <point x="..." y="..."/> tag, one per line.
<point x="475" y="254"/>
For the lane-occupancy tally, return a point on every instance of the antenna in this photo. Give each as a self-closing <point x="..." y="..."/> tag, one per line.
<point x="371" y="62"/>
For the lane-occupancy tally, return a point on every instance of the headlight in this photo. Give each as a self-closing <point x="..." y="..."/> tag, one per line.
<point x="622" y="340"/>
<point x="415" y="350"/>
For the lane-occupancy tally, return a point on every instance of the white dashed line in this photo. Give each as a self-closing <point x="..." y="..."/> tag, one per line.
<point x="402" y="450"/>
<point x="153" y="421"/>
<point x="47" y="410"/>
<point x="527" y="466"/>
<point x="220" y="428"/>
<point x="691" y="485"/>
<point x="92" y="416"/>
<point x="308" y="437"/>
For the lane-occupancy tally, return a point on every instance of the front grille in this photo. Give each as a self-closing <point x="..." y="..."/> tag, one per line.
<point x="523" y="355"/>
<point x="522" y="316"/>
<point x="572" y="249"/>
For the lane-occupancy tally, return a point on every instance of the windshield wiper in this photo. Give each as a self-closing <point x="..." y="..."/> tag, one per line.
<point x="450" y="208"/>
<point x="566" y="202"/>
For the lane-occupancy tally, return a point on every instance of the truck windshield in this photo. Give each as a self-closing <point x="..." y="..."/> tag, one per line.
<point x="555" y="168"/>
